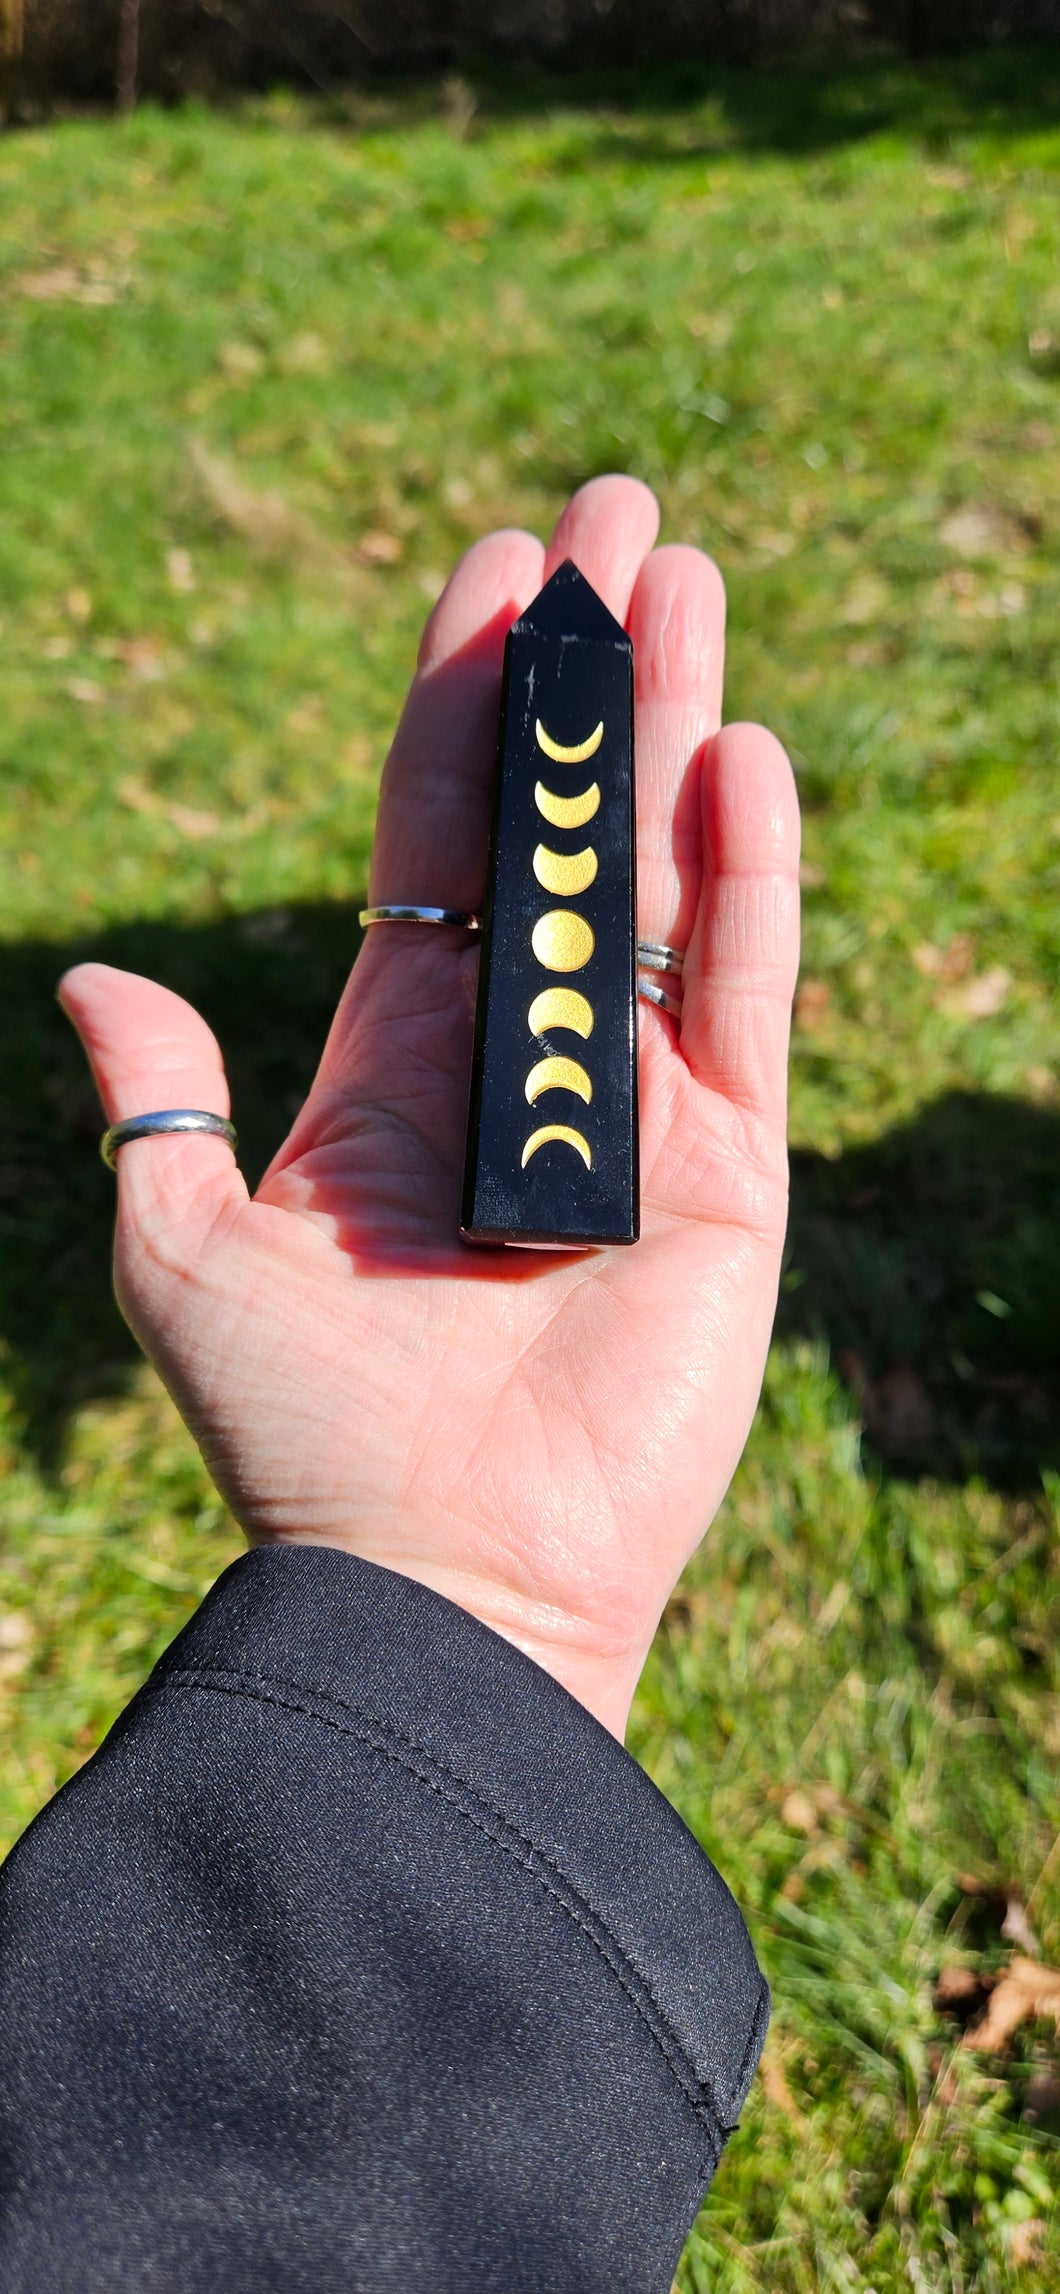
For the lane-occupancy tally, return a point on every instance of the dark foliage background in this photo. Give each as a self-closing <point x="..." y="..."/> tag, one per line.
<point x="71" y="48"/>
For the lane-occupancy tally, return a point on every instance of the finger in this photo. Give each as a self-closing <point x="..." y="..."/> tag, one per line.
<point x="432" y="828"/>
<point x="148" y="1050"/>
<point x="433" y="824"/>
<point x="743" y="957"/>
<point x="608" y="527"/>
<point x="677" y="623"/>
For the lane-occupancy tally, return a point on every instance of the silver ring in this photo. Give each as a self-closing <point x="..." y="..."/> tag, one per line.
<point x="657" y="957"/>
<point x="654" y="995"/>
<point x="654" y="955"/>
<point x="406" y="912"/>
<point x="167" y="1119"/>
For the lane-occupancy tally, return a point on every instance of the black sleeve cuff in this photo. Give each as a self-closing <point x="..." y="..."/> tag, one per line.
<point x="362" y="1956"/>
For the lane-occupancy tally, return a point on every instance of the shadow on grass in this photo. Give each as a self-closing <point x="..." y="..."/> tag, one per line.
<point x="654" y="111"/>
<point x="268" y="983"/>
<point x="929" y="1260"/>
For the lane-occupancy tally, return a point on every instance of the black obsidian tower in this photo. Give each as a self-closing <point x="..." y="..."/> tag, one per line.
<point x="552" y="1130"/>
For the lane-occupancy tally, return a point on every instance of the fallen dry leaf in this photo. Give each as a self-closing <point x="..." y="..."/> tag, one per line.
<point x="797" y="1811"/>
<point x="776" y="2087"/>
<point x="85" y="690"/>
<point x="378" y="549"/>
<point x="240" y="361"/>
<point x="62" y="284"/>
<point x="180" y="572"/>
<point x="985" y="995"/>
<point x="865" y="600"/>
<point x="981" y="529"/>
<point x="1024" y="2241"/>
<point x="957" y="1989"/>
<point x="144" y="656"/>
<point x="191" y="822"/>
<point x="1016" y="1927"/>
<point x="1004" y="1908"/>
<point x="812" y="1001"/>
<point x="467" y="227"/>
<point x="306" y="715"/>
<point x="953" y="962"/>
<point x="136" y="798"/>
<point x="1026" y="1992"/>
<point x="16" y="1643"/>
<point x="186" y="818"/>
<point x="774" y="545"/>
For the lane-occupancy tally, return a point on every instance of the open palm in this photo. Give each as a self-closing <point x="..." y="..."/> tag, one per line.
<point x="543" y="1437"/>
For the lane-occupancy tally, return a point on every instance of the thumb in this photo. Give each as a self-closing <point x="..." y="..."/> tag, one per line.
<point x="148" y="1050"/>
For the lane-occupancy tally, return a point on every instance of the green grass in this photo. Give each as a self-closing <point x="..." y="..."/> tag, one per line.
<point x="263" y="376"/>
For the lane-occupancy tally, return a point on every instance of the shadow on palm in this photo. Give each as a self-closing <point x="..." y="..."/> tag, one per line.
<point x="268" y="982"/>
<point x="376" y="1157"/>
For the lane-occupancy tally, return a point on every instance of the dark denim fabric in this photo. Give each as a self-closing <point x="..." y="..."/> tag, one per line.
<point x="360" y="1957"/>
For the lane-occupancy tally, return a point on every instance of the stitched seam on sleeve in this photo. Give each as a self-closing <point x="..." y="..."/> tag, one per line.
<point x="319" y="1702"/>
<point x="393" y="1745"/>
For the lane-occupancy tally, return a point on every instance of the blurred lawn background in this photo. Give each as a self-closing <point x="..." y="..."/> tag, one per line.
<point x="266" y="372"/>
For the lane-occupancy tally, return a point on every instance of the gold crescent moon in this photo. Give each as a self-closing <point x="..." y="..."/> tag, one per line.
<point x="558" y="1131"/>
<point x="560" y="1008"/>
<point x="562" y="941"/>
<point x="567" y="873"/>
<point x="577" y="753"/>
<point x="567" y="812"/>
<point x="558" y="1075"/>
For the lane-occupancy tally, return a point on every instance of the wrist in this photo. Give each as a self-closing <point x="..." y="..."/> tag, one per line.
<point x="600" y="1673"/>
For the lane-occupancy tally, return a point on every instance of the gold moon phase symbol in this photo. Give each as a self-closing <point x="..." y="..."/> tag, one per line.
<point x="578" y="751"/>
<point x="561" y="941"/>
<point x="558" y="1131"/>
<point x="565" y="872"/>
<point x="567" y="812"/>
<point x="558" y="1075"/>
<point x="560" y="1008"/>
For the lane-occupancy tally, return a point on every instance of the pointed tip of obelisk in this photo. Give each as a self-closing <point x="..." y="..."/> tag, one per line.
<point x="568" y="606"/>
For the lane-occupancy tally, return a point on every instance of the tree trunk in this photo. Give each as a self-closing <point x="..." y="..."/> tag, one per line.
<point x="11" y="32"/>
<point x="128" y="54"/>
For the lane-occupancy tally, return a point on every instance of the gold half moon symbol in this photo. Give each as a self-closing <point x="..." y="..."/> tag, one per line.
<point x="558" y="1131"/>
<point x="558" y="1075"/>
<point x="561" y="941"/>
<point x="565" y="872"/>
<point x="567" y="812"/>
<point x="560" y="1008"/>
<point x="578" y="751"/>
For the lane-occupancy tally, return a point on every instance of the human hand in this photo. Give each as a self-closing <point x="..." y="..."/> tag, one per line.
<point x="544" y="1438"/>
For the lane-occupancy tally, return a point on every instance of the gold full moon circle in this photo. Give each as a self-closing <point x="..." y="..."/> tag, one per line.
<point x="558" y="1131"/>
<point x="562" y="941"/>
<point x="558" y="1075"/>
<point x="567" y="812"/>
<point x="567" y="873"/>
<point x="560" y="1008"/>
<point x="577" y="753"/>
